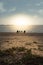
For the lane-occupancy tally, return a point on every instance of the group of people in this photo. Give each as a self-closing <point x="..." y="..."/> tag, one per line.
<point x="21" y="31"/>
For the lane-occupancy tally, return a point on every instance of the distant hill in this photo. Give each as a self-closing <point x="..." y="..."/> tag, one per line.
<point x="31" y="28"/>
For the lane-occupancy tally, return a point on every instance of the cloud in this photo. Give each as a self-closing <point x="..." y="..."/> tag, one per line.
<point x="38" y="4"/>
<point x="12" y="9"/>
<point x="40" y="11"/>
<point x="2" y="9"/>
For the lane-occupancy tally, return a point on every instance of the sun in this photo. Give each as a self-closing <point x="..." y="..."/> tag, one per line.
<point x="21" y="22"/>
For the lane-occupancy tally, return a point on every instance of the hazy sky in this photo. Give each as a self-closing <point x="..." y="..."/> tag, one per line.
<point x="32" y="8"/>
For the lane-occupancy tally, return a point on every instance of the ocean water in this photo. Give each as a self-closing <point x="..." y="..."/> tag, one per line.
<point x="31" y="28"/>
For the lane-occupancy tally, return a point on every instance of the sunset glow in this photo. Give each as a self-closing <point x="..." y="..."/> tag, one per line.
<point x="21" y="22"/>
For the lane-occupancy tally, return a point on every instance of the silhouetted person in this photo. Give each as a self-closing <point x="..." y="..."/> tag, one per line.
<point x="17" y="31"/>
<point x="24" y="31"/>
